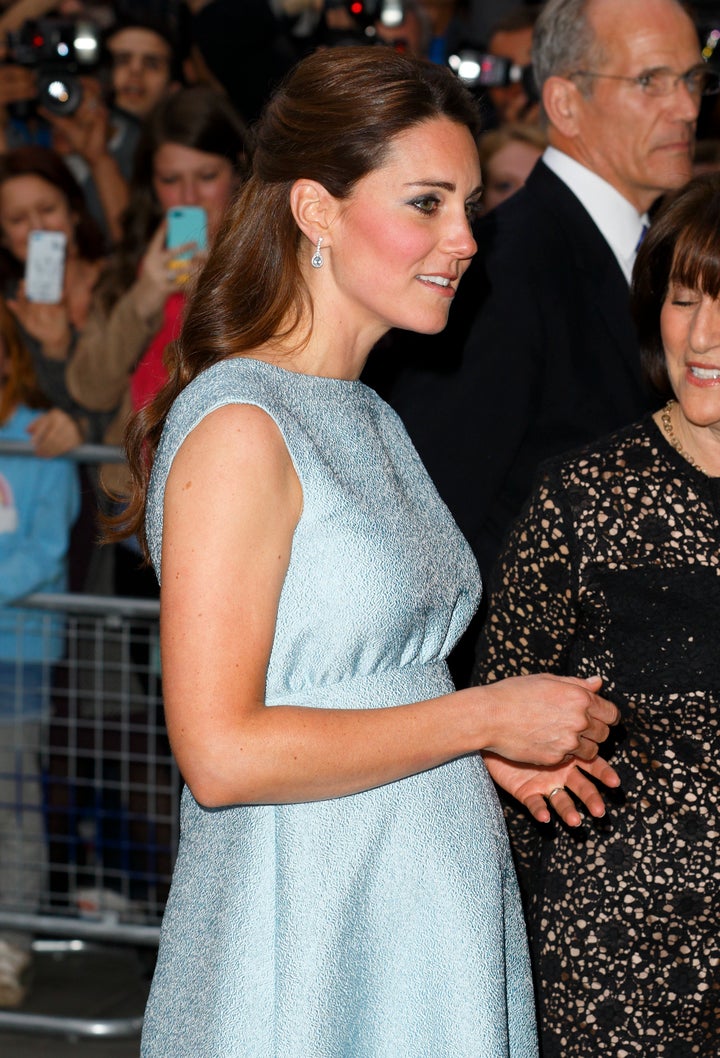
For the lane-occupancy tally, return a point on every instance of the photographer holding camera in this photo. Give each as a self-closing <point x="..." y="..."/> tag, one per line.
<point x="85" y="90"/>
<point x="511" y="39"/>
<point x="50" y="96"/>
<point x="140" y="66"/>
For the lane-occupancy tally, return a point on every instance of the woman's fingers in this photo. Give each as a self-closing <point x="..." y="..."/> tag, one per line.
<point x="560" y="802"/>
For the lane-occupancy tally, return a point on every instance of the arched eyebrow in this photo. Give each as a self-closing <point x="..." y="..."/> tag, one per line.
<point x="444" y="185"/>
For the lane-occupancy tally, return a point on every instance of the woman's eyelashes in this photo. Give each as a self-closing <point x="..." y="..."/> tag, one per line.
<point x="430" y="204"/>
<point x="427" y="204"/>
<point x="680" y="295"/>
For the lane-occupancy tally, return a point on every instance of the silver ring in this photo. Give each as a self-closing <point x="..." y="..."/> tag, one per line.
<point x="557" y="789"/>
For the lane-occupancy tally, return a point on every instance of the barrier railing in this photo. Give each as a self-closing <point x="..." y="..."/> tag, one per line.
<point x="96" y="823"/>
<point x="88" y="453"/>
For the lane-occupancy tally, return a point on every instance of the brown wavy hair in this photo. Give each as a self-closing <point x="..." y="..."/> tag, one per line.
<point x="333" y="120"/>
<point x="20" y="386"/>
<point x="682" y="246"/>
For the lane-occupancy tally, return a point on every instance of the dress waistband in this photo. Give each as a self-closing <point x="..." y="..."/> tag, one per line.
<point x="396" y="686"/>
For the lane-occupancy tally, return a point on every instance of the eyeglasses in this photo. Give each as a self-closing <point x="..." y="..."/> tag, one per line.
<point x="699" y="80"/>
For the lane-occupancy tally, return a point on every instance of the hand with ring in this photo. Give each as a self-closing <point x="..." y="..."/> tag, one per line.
<point x="541" y="789"/>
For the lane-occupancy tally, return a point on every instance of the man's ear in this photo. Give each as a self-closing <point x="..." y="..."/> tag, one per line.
<point x="561" y="100"/>
<point x="313" y="208"/>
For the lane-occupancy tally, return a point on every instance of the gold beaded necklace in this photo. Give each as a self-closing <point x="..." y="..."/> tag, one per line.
<point x="665" y="416"/>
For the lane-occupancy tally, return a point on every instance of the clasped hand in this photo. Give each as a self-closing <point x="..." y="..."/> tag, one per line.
<point x="552" y="745"/>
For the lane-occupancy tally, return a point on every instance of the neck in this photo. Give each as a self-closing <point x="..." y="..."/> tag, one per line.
<point x="576" y="150"/>
<point x="698" y="444"/>
<point x="330" y="349"/>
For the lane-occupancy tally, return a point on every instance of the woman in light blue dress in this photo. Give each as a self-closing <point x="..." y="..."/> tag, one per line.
<point x="344" y="887"/>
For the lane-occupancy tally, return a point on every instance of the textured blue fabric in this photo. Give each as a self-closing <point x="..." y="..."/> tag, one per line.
<point x="384" y="924"/>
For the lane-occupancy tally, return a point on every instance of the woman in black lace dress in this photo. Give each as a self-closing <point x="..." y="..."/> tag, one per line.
<point x="614" y="568"/>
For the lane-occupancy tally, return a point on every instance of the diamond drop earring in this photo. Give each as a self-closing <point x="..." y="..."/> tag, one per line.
<point x="317" y="260"/>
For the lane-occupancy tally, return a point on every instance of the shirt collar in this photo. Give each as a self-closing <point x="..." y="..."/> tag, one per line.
<point x="618" y="221"/>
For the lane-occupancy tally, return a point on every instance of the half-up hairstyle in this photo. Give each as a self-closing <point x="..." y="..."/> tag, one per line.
<point x="333" y="120"/>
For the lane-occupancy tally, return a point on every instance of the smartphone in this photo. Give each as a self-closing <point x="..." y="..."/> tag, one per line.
<point x="45" y="266"/>
<point x="187" y="224"/>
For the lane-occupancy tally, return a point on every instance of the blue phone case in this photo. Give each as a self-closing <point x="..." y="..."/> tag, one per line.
<point x="187" y="224"/>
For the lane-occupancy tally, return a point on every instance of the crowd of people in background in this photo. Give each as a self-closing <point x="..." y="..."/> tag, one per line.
<point x="596" y="118"/>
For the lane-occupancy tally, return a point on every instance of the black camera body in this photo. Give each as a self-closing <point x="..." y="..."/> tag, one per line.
<point x="59" y="51"/>
<point x="367" y="12"/>
<point x="479" y="70"/>
<point x="365" y="16"/>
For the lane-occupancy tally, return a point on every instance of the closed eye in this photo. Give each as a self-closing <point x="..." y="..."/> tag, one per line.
<point x="682" y="295"/>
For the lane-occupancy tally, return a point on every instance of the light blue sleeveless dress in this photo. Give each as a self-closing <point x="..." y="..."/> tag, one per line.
<point x="384" y="924"/>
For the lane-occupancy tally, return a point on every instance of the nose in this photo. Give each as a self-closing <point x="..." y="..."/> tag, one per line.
<point x="705" y="327"/>
<point x="190" y="192"/>
<point x="459" y="239"/>
<point x="35" y="220"/>
<point x="686" y="104"/>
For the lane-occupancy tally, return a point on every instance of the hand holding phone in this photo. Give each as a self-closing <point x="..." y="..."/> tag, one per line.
<point x="45" y="266"/>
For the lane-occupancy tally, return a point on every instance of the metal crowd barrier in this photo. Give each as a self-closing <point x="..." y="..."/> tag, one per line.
<point x="88" y="453"/>
<point x="89" y="781"/>
<point x="97" y="825"/>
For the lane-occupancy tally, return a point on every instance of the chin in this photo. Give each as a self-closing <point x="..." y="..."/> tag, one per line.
<point x="701" y="409"/>
<point x="425" y="325"/>
<point x="677" y="177"/>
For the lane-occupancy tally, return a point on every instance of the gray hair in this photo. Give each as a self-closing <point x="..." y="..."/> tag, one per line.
<point x="563" y="40"/>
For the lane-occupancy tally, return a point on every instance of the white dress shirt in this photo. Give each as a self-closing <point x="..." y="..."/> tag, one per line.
<point x="618" y="221"/>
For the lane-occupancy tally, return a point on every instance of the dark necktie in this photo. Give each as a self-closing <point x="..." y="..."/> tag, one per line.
<point x="643" y="233"/>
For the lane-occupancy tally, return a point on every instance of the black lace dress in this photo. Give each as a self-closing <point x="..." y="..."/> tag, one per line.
<point x="614" y="568"/>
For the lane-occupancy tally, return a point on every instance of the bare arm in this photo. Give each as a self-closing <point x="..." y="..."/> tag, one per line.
<point x="231" y="506"/>
<point x="87" y="132"/>
<point x="20" y="12"/>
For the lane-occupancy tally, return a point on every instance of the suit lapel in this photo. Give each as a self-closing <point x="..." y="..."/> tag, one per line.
<point x="592" y="258"/>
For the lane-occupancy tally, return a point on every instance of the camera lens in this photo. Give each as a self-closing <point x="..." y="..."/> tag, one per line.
<point x="60" y="93"/>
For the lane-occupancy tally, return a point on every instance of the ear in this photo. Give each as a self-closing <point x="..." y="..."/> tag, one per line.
<point x="561" y="100"/>
<point x="313" y="208"/>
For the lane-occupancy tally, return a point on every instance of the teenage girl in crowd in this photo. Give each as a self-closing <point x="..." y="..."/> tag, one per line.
<point x="38" y="192"/>
<point x="39" y="501"/>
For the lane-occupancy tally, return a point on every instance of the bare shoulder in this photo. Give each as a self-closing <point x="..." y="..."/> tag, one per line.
<point x="238" y="451"/>
<point x="236" y="435"/>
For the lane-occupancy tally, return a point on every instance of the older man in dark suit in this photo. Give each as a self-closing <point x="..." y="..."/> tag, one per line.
<point x="540" y="354"/>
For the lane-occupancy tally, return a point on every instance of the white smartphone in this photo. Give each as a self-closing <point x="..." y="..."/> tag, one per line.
<point x="45" y="266"/>
<point x="187" y="224"/>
